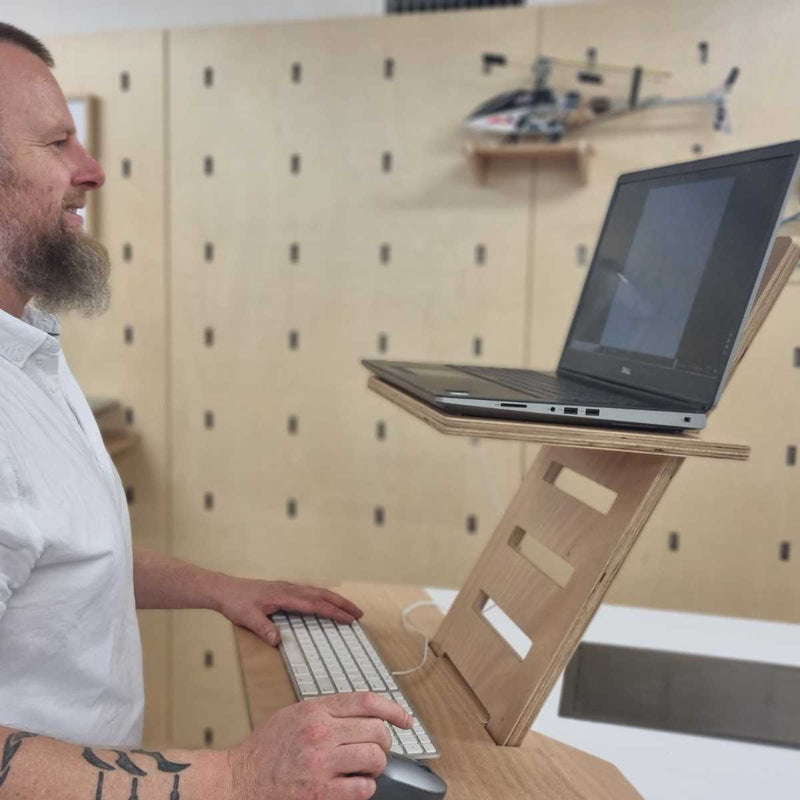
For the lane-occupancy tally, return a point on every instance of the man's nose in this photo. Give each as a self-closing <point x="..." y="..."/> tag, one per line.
<point x="89" y="174"/>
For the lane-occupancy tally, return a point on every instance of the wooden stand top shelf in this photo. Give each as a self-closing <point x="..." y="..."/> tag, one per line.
<point x="578" y="153"/>
<point x="586" y="437"/>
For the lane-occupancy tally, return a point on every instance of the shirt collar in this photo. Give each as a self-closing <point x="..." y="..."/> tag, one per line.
<point x="20" y="338"/>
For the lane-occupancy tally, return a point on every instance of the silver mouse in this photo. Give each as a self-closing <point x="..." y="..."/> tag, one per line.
<point x="405" y="779"/>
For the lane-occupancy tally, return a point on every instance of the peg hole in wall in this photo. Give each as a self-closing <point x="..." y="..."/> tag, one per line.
<point x="293" y="425"/>
<point x="474" y="442"/>
<point x="697" y="149"/>
<point x="208" y="165"/>
<point x="291" y="508"/>
<point x="388" y="69"/>
<point x="129" y="416"/>
<point x="295" y="164"/>
<point x="124" y="81"/>
<point x="791" y="455"/>
<point x="130" y="494"/>
<point x="127" y="168"/>
<point x="383" y="343"/>
<point x="702" y="52"/>
<point x="480" y="254"/>
<point x="127" y="252"/>
<point x="208" y="419"/>
<point x="379" y="515"/>
<point x="477" y="346"/>
<point x="208" y="737"/>
<point x="472" y="523"/>
<point x="387" y="162"/>
<point x="797" y="356"/>
<point x="208" y="337"/>
<point x="208" y="659"/>
<point x="128" y="334"/>
<point x="208" y="77"/>
<point x="380" y="430"/>
<point x="582" y="255"/>
<point x="297" y="72"/>
<point x="591" y="57"/>
<point x="294" y="340"/>
<point x="208" y="501"/>
<point x="784" y="551"/>
<point x="674" y="541"/>
<point x="385" y="253"/>
<point x="294" y="252"/>
<point x="208" y="252"/>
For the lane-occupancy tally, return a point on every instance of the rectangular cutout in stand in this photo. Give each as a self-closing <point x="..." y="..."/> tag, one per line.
<point x="721" y="697"/>
<point x="505" y="627"/>
<point x="542" y="557"/>
<point x="583" y="489"/>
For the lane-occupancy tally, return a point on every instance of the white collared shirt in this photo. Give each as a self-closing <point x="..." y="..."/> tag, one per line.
<point x="70" y="653"/>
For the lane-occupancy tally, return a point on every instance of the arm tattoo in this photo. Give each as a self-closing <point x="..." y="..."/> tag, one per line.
<point x="13" y="743"/>
<point x="124" y="763"/>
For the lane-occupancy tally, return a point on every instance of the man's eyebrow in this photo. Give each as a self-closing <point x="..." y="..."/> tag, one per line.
<point x="57" y="130"/>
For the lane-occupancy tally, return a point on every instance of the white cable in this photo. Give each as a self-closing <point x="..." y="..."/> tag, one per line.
<point x="411" y="629"/>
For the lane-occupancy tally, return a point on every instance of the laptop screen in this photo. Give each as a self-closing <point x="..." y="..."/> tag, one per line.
<point x="675" y="271"/>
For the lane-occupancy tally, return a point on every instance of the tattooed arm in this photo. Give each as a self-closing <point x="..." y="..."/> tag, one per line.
<point x="35" y="766"/>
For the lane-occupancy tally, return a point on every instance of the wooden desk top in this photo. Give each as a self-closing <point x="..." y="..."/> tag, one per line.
<point x="473" y="766"/>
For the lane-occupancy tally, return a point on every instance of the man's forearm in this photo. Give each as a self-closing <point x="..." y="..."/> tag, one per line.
<point x="36" y="766"/>
<point x="161" y="581"/>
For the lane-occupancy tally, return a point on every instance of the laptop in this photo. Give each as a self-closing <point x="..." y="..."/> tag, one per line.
<point x="676" y="270"/>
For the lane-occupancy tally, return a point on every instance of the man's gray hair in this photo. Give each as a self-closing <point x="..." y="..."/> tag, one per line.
<point x="8" y="33"/>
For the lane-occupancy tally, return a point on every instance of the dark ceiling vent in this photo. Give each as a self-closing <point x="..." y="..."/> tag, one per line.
<point x="421" y="6"/>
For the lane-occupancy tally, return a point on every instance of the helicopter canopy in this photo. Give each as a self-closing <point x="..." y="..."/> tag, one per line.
<point x="509" y="101"/>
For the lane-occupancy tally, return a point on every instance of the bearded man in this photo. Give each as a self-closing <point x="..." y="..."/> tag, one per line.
<point x="71" y="695"/>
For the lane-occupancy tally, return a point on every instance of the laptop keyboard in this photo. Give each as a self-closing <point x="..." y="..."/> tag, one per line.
<point x="552" y="388"/>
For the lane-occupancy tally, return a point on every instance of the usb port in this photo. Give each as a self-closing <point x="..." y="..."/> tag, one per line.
<point x="592" y="412"/>
<point x="570" y="410"/>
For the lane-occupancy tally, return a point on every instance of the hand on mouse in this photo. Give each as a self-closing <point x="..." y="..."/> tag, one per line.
<point x="331" y="748"/>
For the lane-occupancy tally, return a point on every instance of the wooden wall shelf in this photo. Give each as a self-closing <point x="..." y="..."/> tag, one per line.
<point x="577" y="153"/>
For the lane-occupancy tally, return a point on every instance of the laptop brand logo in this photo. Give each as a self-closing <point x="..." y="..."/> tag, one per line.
<point x="625" y="370"/>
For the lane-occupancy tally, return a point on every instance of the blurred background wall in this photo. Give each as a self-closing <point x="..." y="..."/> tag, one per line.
<point x="285" y="198"/>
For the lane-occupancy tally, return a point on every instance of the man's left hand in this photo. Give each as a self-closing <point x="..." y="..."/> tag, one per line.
<point x="249" y="602"/>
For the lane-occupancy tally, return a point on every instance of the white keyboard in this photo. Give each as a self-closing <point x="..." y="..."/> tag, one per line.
<point x="325" y="657"/>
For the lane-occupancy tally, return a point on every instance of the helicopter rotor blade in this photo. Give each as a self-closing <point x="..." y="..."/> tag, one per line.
<point x="566" y="62"/>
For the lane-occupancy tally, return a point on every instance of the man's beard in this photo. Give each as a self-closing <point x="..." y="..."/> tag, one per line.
<point x="60" y="269"/>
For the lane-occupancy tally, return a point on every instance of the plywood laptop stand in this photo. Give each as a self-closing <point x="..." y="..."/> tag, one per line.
<point x="553" y="556"/>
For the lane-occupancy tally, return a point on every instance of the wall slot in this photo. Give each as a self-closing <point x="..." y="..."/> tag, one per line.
<point x="472" y="523"/>
<point x="294" y="252"/>
<point x="127" y="168"/>
<point x="702" y="52"/>
<point x="477" y="346"/>
<point x="208" y="737"/>
<point x="128" y="334"/>
<point x="295" y="164"/>
<point x="209" y="419"/>
<point x="797" y="356"/>
<point x="697" y="149"/>
<point x="208" y="165"/>
<point x="208" y="501"/>
<point x="208" y="77"/>
<point x="582" y="255"/>
<point x="480" y="254"/>
<point x="208" y="659"/>
<point x="291" y="508"/>
<point x="388" y="69"/>
<point x="129" y="416"/>
<point x="127" y="252"/>
<point x="297" y="72"/>
<point x="208" y="252"/>
<point x="539" y="555"/>
<point x="387" y="162"/>
<point x="784" y="551"/>
<point x="294" y="340"/>
<point x="380" y="430"/>
<point x="379" y="515"/>
<point x="674" y="541"/>
<point x="584" y="489"/>
<point x="130" y="495"/>
<point x="383" y="343"/>
<point x="791" y="455"/>
<point x="124" y="81"/>
<point x="385" y="253"/>
<point x="505" y="627"/>
<point x="208" y="337"/>
<point x="292" y="425"/>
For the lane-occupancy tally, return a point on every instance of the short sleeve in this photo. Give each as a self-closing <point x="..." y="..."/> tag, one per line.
<point x="21" y="544"/>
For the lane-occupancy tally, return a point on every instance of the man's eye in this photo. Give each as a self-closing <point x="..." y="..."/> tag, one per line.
<point x="60" y="143"/>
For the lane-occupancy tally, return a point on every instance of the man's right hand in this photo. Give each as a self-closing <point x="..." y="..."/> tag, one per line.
<point x="323" y="749"/>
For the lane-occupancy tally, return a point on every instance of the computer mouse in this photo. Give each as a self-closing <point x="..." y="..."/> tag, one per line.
<point x="405" y="779"/>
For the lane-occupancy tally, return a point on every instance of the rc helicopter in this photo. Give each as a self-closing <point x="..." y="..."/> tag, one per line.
<point x="542" y="112"/>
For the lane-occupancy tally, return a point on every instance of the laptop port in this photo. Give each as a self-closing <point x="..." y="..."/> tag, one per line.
<point x="592" y="412"/>
<point x="513" y="405"/>
<point x="570" y="410"/>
